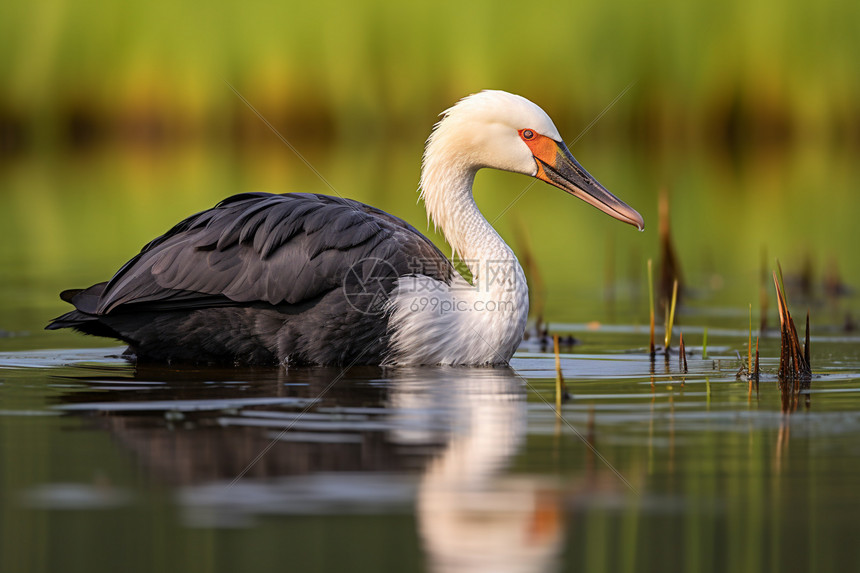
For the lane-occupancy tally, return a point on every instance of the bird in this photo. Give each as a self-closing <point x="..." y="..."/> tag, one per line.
<point x="311" y="279"/>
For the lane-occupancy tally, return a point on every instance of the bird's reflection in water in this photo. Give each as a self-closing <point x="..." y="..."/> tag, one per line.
<point x="471" y="516"/>
<point x="436" y="439"/>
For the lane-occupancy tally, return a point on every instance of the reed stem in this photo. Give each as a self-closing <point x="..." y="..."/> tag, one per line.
<point x="651" y="305"/>
<point x="682" y="356"/>
<point x="669" y="325"/>
<point x="749" y="345"/>
<point x="560" y="390"/>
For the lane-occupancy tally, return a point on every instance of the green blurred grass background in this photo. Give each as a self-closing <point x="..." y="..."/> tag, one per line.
<point x="712" y="72"/>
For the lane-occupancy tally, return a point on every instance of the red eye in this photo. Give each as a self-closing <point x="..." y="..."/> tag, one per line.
<point x="527" y="134"/>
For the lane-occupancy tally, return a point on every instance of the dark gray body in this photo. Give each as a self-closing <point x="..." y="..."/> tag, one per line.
<point x="261" y="279"/>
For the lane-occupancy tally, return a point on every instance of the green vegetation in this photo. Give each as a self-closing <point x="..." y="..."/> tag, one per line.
<point x="383" y="69"/>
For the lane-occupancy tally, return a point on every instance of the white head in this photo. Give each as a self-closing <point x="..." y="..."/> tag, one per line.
<point x="482" y="130"/>
<point x="504" y="131"/>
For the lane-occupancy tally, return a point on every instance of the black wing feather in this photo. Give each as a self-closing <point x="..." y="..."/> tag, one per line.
<point x="277" y="249"/>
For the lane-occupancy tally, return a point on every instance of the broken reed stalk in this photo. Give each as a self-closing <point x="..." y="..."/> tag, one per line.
<point x="793" y="362"/>
<point x="651" y="305"/>
<point x="671" y="321"/>
<point x="560" y="390"/>
<point x="682" y="355"/>
<point x="705" y="344"/>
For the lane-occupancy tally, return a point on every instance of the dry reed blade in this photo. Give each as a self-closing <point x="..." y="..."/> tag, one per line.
<point x="682" y="356"/>
<point x="802" y="362"/>
<point x="780" y="305"/>
<point x="670" y="323"/>
<point x="783" y="294"/>
<point x="794" y="344"/>
<point x="793" y="360"/>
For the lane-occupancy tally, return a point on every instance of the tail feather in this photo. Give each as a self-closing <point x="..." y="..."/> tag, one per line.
<point x="68" y="295"/>
<point x="85" y="300"/>
<point x="83" y="318"/>
<point x="70" y="320"/>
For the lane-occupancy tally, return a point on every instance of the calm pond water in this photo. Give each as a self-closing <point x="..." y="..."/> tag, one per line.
<point x="106" y="465"/>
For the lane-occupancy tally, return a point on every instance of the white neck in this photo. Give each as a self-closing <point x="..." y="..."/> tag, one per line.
<point x="497" y="277"/>
<point x="448" y="198"/>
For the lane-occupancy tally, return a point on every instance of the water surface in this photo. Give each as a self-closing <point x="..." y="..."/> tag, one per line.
<point x="109" y="466"/>
<point x="448" y="469"/>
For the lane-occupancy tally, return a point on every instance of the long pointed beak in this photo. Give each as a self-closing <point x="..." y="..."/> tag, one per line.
<point x="567" y="174"/>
